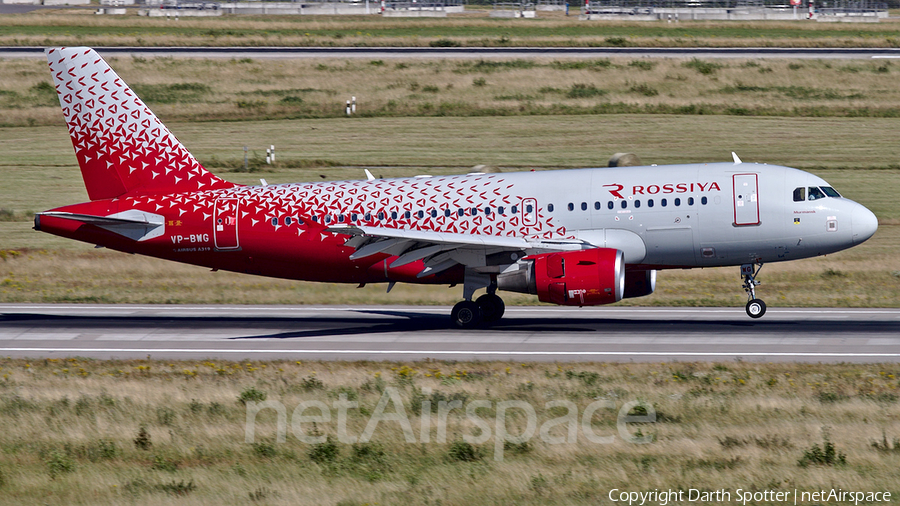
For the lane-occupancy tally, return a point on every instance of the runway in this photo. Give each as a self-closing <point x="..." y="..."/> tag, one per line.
<point x="414" y="333"/>
<point x="473" y="52"/>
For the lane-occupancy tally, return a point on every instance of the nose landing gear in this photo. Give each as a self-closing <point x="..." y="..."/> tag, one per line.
<point x="755" y="308"/>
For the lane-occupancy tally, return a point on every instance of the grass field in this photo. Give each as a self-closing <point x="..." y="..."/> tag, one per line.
<point x="71" y="432"/>
<point x="193" y="90"/>
<point x="472" y="29"/>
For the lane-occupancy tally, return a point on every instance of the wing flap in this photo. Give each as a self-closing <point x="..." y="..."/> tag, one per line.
<point x="442" y="250"/>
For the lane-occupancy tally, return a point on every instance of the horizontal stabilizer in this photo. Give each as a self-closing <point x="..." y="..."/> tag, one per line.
<point x="102" y="220"/>
<point x="133" y="224"/>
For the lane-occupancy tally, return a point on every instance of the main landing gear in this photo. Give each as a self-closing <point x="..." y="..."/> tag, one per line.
<point x="755" y="307"/>
<point x="486" y="309"/>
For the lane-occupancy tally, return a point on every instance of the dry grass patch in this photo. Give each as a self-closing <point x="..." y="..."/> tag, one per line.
<point x="79" y="431"/>
<point x="241" y="89"/>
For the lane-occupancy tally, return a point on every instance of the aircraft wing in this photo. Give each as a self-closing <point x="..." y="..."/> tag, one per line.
<point x="443" y="250"/>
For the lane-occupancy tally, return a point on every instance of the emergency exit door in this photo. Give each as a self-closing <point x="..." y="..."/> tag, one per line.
<point x="225" y="231"/>
<point x="746" y="199"/>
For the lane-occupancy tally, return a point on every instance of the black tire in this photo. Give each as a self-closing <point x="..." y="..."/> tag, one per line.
<point x="492" y="307"/>
<point x="466" y="315"/>
<point x="756" y="308"/>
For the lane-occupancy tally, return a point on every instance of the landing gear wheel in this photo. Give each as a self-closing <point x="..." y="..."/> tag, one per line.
<point x="466" y="315"/>
<point x="756" y="308"/>
<point x="492" y="307"/>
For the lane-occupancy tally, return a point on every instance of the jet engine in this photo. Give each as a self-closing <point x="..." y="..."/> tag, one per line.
<point x="572" y="278"/>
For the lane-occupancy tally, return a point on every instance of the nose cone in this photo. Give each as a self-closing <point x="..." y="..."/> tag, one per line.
<point x="864" y="224"/>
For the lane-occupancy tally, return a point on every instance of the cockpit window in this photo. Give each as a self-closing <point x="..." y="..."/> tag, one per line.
<point x="831" y="192"/>
<point x="815" y="193"/>
<point x="799" y="194"/>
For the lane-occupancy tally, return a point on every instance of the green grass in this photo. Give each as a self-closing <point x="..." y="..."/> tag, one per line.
<point x="80" y="431"/>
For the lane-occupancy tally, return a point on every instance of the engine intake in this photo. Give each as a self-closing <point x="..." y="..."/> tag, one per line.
<point x="639" y="283"/>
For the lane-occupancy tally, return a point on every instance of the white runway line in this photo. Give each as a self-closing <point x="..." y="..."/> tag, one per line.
<point x="452" y="352"/>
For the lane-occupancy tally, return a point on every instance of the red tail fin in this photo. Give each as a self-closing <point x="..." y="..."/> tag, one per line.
<point x="122" y="147"/>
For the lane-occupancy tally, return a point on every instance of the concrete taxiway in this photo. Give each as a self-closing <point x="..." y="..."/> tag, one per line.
<point x="412" y="333"/>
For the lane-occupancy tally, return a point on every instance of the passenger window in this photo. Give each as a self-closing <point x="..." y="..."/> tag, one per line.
<point x="406" y="215"/>
<point x="637" y="203"/>
<point x="368" y="216"/>
<point x="287" y="220"/>
<point x="447" y="213"/>
<point x="353" y="216"/>
<point x="571" y="206"/>
<point x="474" y="211"/>
<point x="664" y="202"/>
<point x="610" y="205"/>
<point x="649" y="202"/>
<point x="624" y="204"/>
<point x="550" y="208"/>
<point x="420" y="214"/>
<point x="677" y="202"/>
<point x="690" y="201"/>
<point x="434" y="213"/>
<point x="584" y="206"/>
<point x="799" y="194"/>
<point x="831" y="192"/>
<point x="460" y="212"/>
<point x="597" y="205"/>
<point x="275" y="222"/>
<point x="381" y="215"/>
<point x="487" y="210"/>
<point x="514" y="209"/>
<point x="327" y="218"/>
<point x="341" y="218"/>
<point x="501" y="210"/>
<point x="393" y="215"/>
<point x="315" y="219"/>
<point x="529" y="208"/>
<point x="815" y="193"/>
<point x="704" y="200"/>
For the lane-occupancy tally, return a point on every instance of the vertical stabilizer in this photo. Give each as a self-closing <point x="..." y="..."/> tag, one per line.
<point x="122" y="147"/>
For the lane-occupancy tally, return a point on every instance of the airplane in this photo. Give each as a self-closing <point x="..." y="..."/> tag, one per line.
<point x="579" y="237"/>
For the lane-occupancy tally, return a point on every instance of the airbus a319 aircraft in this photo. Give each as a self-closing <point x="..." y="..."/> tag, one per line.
<point x="572" y="237"/>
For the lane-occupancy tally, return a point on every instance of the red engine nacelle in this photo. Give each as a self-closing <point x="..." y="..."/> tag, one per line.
<point x="580" y="278"/>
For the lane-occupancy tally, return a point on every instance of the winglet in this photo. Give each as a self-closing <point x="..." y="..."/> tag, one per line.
<point x="737" y="160"/>
<point x="369" y="176"/>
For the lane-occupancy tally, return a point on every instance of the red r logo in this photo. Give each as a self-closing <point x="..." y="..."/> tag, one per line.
<point x="615" y="192"/>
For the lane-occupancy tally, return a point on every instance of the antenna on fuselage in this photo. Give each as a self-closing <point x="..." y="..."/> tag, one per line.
<point x="737" y="160"/>
<point x="369" y="176"/>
